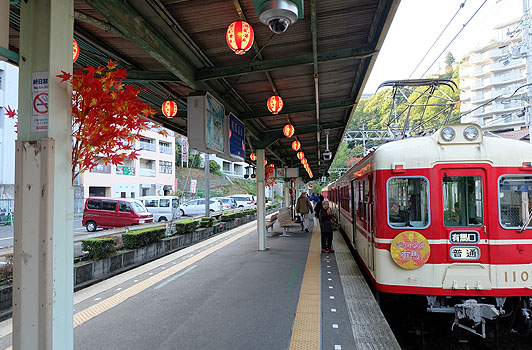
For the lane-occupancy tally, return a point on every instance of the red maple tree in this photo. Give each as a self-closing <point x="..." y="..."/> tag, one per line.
<point x="107" y="117"/>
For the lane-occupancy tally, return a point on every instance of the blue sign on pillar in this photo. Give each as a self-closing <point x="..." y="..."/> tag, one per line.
<point x="237" y="133"/>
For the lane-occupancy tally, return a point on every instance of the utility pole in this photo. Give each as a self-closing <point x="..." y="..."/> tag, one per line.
<point x="528" y="45"/>
<point x="207" y="186"/>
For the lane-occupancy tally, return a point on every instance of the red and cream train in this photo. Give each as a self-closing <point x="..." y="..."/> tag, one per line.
<point x="446" y="216"/>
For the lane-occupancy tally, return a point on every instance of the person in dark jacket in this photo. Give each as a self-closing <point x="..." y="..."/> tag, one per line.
<point x="317" y="207"/>
<point x="326" y="228"/>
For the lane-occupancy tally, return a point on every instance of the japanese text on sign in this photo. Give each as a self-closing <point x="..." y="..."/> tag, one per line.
<point x="465" y="253"/>
<point x="457" y="237"/>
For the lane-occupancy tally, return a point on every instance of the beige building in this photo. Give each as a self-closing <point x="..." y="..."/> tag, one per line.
<point x="497" y="68"/>
<point x="151" y="174"/>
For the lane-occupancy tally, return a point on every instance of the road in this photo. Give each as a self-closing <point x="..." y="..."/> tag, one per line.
<point x="6" y="235"/>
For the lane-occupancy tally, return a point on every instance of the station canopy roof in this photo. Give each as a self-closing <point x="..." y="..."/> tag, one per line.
<point x="175" y="47"/>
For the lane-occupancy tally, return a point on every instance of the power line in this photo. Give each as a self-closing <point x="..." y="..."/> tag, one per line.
<point x="438" y="38"/>
<point x="460" y="31"/>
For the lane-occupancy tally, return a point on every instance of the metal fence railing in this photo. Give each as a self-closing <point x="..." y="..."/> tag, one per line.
<point x="7" y="207"/>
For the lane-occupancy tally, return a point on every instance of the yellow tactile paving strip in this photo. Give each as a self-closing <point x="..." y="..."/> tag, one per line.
<point x="104" y="305"/>
<point x="307" y="324"/>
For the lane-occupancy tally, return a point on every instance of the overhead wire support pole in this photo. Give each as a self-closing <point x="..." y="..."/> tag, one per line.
<point x="528" y="44"/>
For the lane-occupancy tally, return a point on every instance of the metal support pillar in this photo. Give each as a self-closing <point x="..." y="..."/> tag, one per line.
<point x="43" y="253"/>
<point x="4" y="24"/>
<point x="207" y="186"/>
<point x="261" y="201"/>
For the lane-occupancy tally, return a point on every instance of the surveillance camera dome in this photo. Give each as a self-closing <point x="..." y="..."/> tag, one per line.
<point x="278" y="15"/>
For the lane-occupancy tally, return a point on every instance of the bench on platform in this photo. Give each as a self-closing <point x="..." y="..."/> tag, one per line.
<point x="271" y="221"/>
<point x="286" y="221"/>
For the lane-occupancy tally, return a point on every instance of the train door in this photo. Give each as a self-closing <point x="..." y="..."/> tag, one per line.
<point x="464" y="210"/>
<point x="354" y="210"/>
<point x="368" y="202"/>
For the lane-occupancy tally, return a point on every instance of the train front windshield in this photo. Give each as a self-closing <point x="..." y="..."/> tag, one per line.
<point x="515" y="200"/>
<point x="462" y="201"/>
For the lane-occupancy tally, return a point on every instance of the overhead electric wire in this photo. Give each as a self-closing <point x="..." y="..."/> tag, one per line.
<point x="438" y="38"/>
<point x="460" y="31"/>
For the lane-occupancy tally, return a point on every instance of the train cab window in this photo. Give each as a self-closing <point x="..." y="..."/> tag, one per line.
<point x="408" y="202"/>
<point x="462" y="201"/>
<point x="515" y="201"/>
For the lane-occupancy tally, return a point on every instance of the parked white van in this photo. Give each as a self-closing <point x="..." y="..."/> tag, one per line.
<point x="162" y="207"/>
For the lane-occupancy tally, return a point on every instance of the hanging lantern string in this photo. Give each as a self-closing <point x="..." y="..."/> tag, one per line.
<point x="256" y="55"/>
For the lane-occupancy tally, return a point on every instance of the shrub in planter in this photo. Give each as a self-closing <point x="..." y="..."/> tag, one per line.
<point x="206" y="222"/>
<point x="186" y="226"/>
<point x="98" y="248"/>
<point x="228" y="217"/>
<point x="141" y="238"/>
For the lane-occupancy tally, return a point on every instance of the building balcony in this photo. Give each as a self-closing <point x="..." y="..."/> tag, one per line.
<point x="147" y="146"/>
<point x="125" y="170"/>
<point x="165" y="150"/>
<point x="147" y="172"/>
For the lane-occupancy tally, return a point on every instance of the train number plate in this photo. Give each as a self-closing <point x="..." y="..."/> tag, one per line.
<point x="464" y="253"/>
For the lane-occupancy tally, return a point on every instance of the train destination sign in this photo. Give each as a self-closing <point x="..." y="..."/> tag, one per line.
<point x="410" y="250"/>
<point x="464" y="237"/>
<point x="464" y="253"/>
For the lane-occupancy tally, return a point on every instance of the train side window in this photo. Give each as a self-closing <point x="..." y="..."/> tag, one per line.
<point x="462" y="201"/>
<point x="408" y="202"/>
<point x="515" y="201"/>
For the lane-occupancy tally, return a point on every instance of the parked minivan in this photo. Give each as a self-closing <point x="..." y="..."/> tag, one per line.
<point x="162" y="207"/>
<point x="243" y="200"/>
<point x="114" y="212"/>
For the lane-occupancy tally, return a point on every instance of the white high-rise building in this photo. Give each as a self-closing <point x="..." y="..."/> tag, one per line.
<point x="496" y="68"/>
<point x="8" y="135"/>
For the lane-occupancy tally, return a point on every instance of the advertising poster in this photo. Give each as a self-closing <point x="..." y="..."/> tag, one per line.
<point x="214" y="124"/>
<point x="237" y="132"/>
<point x="184" y="150"/>
<point x="193" y="186"/>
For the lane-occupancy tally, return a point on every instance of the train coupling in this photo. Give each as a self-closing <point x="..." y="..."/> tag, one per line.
<point x="478" y="313"/>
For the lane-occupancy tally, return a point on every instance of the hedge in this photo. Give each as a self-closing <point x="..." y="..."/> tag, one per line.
<point x="228" y="217"/>
<point x="206" y="222"/>
<point x="98" y="248"/>
<point x="186" y="226"/>
<point x="142" y="238"/>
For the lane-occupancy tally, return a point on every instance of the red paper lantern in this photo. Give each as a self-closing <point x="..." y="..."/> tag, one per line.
<point x="275" y="104"/>
<point x="265" y="162"/>
<point x="239" y="37"/>
<point x="296" y="145"/>
<point x="75" y="51"/>
<point x="253" y="157"/>
<point x="169" y="109"/>
<point x="300" y="155"/>
<point x="288" y="130"/>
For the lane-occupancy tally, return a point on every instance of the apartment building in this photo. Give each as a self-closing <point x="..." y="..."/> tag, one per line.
<point x="151" y="174"/>
<point x="493" y="69"/>
<point x="8" y="135"/>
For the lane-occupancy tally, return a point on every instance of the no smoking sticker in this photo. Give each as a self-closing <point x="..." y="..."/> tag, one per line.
<point x="40" y="103"/>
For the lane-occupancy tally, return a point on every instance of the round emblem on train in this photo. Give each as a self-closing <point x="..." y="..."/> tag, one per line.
<point x="410" y="250"/>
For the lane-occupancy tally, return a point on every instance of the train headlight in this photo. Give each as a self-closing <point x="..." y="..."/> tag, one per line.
<point x="471" y="133"/>
<point x="448" y="134"/>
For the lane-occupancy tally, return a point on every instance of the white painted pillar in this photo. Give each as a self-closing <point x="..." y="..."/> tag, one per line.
<point x="286" y="193"/>
<point x="43" y="253"/>
<point x="261" y="206"/>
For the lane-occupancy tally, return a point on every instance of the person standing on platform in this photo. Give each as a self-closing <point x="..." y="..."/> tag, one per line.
<point x="326" y="228"/>
<point x="304" y="207"/>
<point x="317" y="208"/>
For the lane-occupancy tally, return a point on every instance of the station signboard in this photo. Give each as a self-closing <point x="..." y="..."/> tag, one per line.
<point x="236" y="141"/>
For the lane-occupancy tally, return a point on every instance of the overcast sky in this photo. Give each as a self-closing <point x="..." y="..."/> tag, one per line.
<point x="418" y="23"/>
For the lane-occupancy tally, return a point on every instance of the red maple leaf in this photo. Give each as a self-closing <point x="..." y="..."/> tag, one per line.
<point x="111" y="64"/>
<point x="64" y="76"/>
<point x="11" y="113"/>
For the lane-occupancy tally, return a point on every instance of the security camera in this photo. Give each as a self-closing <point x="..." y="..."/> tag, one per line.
<point x="278" y="15"/>
<point x="327" y="155"/>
